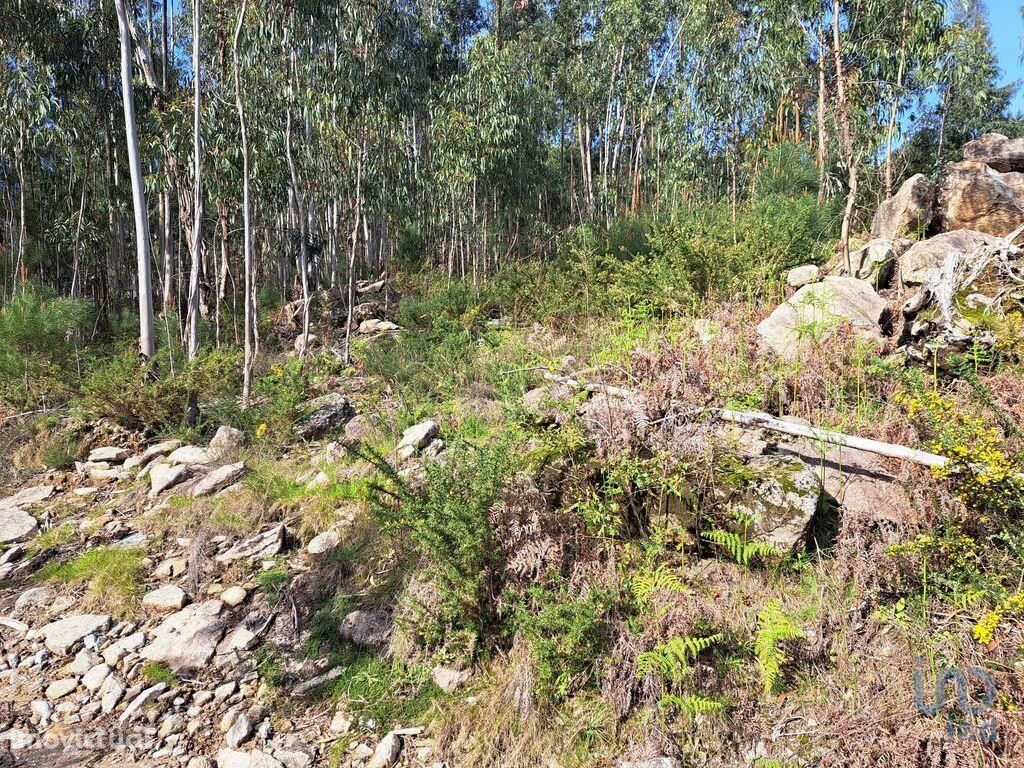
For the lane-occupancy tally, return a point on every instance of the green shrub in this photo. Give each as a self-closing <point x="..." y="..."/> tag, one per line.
<point x="37" y="346"/>
<point x="141" y="397"/>
<point x="446" y="526"/>
<point x="566" y="634"/>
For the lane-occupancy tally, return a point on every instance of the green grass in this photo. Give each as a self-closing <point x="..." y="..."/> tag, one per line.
<point x="158" y="672"/>
<point x="111" y="576"/>
<point x="53" y="538"/>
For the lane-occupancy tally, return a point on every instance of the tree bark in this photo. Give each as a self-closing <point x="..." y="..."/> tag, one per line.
<point x="250" y="297"/>
<point x="147" y="346"/>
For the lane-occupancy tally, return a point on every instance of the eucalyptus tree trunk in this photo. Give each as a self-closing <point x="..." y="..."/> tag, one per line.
<point x="894" y="109"/>
<point x="250" y="298"/>
<point x="147" y="346"/>
<point x="192" y="337"/>
<point x="300" y="214"/>
<point x="822" y="124"/>
<point x="844" y="125"/>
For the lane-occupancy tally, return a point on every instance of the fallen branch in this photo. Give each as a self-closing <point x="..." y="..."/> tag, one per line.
<point x="770" y="423"/>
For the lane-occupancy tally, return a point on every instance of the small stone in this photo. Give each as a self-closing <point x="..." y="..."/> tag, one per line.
<point x="95" y="677"/>
<point x="111" y="693"/>
<point x="367" y="627"/>
<point x="448" y="679"/>
<point x="63" y="635"/>
<point x="240" y="732"/>
<point x="140" y="701"/>
<point x="227" y="440"/>
<point x="219" y="478"/>
<point x="341" y="723"/>
<point x="16" y="525"/>
<point x="165" y="599"/>
<point x="42" y="711"/>
<point x="418" y="436"/>
<point x="323" y="543"/>
<point x="84" y="660"/>
<point x="60" y="688"/>
<point x="801" y="276"/>
<point x="111" y="453"/>
<point x="191" y="455"/>
<point x="229" y="758"/>
<point x="33" y="599"/>
<point x="171" y="568"/>
<point x="387" y="752"/>
<point x="233" y="596"/>
<point x="222" y="692"/>
<point x="163" y="476"/>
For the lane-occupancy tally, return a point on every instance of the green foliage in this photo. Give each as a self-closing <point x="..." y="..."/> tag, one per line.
<point x="445" y="524"/>
<point x="774" y="629"/>
<point x="135" y="396"/>
<point x="158" y="672"/>
<point x="38" y="349"/>
<point x="59" y="452"/>
<point x="646" y="581"/>
<point x="693" y="705"/>
<point x="112" y="575"/>
<point x="378" y="692"/>
<point x="740" y="547"/>
<point x="566" y="634"/>
<point x="671" y="660"/>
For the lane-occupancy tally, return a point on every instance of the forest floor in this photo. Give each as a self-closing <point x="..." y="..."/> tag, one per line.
<point x="434" y="556"/>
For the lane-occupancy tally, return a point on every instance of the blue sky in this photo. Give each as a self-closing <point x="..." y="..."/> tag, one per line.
<point x="1007" y="28"/>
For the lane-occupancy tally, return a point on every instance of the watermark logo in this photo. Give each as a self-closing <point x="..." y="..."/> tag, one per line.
<point x="970" y="719"/>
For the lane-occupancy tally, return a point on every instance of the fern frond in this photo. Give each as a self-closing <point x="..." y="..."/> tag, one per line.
<point x="692" y="706"/>
<point x="773" y="628"/>
<point x="647" y="581"/>
<point x="738" y="548"/>
<point x="671" y="659"/>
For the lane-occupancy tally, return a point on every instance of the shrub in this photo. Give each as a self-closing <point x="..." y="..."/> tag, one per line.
<point x="135" y="396"/>
<point x="37" y="346"/>
<point x="446" y="526"/>
<point x="566" y="635"/>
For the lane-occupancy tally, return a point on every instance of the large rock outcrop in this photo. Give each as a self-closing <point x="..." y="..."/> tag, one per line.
<point x="918" y="264"/>
<point x="908" y="212"/>
<point x="816" y="309"/>
<point x="997" y="151"/>
<point x="974" y="196"/>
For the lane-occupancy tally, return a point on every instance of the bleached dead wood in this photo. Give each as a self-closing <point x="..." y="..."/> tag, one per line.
<point x="770" y="423"/>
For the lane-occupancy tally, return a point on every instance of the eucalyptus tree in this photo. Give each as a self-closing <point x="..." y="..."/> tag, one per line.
<point x="147" y="344"/>
<point x="192" y="340"/>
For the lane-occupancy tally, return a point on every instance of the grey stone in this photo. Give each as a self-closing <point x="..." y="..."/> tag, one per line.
<point x="61" y="688"/>
<point x="239" y="732"/>
<point x="323" y="415"/>
<point x="163" y="476"/>
<point x="323" y="543"/>
<point x="416" y="437"/>
<point x="448" y="679"/>
<point x="922" y="260"/>
<point x="230" y="758"/>
<point x="166" y="598"/>
<point x="228" y="440"/>
<point x="387" y="752"/>
<point x="873" y="262"/>
<point x="111" y="693"/>
<point x="801" y="276"/>
<point x="219" y="478"/>
<point x="191" y="455"/>
<point x="95" y="677"/>
<point x="27" y="498"/>
<point x="819" y="308"/>
<point x="906" y="213"/>
<point x="63" y="635"/>
<point x="187" y="640"/>
<point x="112" y="453"/>
<point x="136" y="704"/>
<point x="366" y="627"/>
<point x="376" y="325"/>
<point x="16" y="525"/>
<point x="265" y="544"/>
<point x="233" y="596"/>
<point x="781" y="502"/>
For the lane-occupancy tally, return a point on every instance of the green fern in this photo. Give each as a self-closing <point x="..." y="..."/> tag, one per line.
<point x="774" y="628"/>
<point x="671" y="659"/>
<point x="739" y="548"/>
<point x="692" y="706"/>
<point x="648" y="581"/>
